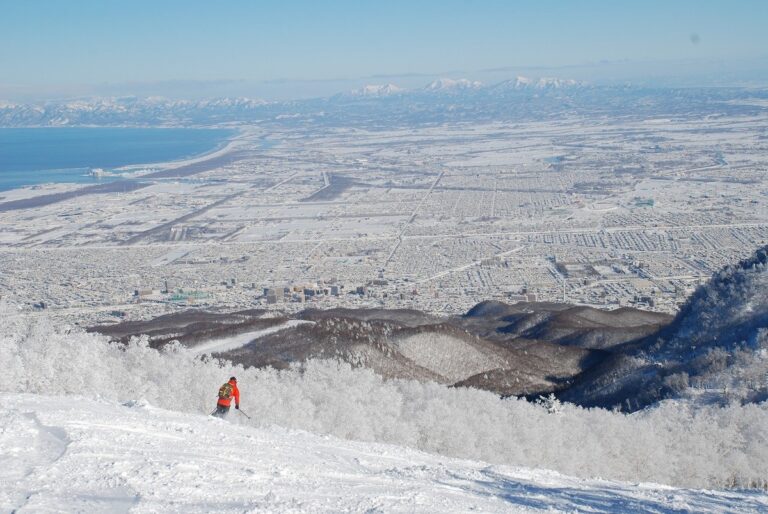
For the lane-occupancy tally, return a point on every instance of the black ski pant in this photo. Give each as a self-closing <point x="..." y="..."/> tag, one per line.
<point x="221" y="410"/>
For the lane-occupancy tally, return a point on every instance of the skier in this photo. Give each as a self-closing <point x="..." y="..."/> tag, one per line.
<point x="226" y="393"/>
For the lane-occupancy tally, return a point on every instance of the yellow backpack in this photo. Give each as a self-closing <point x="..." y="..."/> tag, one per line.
<point x="225" y="391"/>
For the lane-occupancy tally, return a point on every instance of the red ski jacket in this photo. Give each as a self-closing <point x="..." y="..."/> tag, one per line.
<point x="226" y="402"/>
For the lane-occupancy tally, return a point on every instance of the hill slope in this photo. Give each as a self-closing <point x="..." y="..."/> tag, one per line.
<point x="522" y="349"/>
<point x="716" y="347"/>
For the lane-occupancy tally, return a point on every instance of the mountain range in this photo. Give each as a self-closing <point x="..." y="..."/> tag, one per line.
<point x="441" y="101"/>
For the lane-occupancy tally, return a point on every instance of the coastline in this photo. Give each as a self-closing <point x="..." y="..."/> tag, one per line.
<point x="225" y="147"/>
<point x="134" y="171"/>
<point x="23" y="197"/>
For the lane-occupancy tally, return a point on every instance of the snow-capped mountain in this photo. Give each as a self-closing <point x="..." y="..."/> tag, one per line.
<point x="377" y="90"/>
<point x="129" y="111"/>
<point x="542" y="83"/>
<point x="380" y="105"/>
<point x="445" y="85"/>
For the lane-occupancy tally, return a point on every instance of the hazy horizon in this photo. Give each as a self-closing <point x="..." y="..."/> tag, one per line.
<point x="299" y="49"/>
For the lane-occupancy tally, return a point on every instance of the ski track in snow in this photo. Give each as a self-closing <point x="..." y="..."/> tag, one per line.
<point x="232" y="343"/>
<point x="72" y="454"/>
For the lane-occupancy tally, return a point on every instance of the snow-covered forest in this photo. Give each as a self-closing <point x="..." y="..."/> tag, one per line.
<point x="672" y="443"/>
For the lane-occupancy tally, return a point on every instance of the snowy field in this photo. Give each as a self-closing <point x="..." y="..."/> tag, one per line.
<point x="75" y="454"/>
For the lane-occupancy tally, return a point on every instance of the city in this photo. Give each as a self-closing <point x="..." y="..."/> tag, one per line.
<point x="581" y="210"/>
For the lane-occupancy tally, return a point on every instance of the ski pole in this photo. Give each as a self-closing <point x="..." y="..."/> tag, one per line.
<point x="243" y="413"/>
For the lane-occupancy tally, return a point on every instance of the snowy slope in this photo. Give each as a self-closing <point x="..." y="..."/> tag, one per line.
<point x="72" y="454"/>
<point x="453" y="358"/>
<point x="240" y="340"/>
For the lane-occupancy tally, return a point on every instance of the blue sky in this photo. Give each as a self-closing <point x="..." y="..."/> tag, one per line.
<point x="50" y="47"/>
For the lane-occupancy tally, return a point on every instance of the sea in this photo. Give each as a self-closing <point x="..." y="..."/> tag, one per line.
<point x="30" y="156"/>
